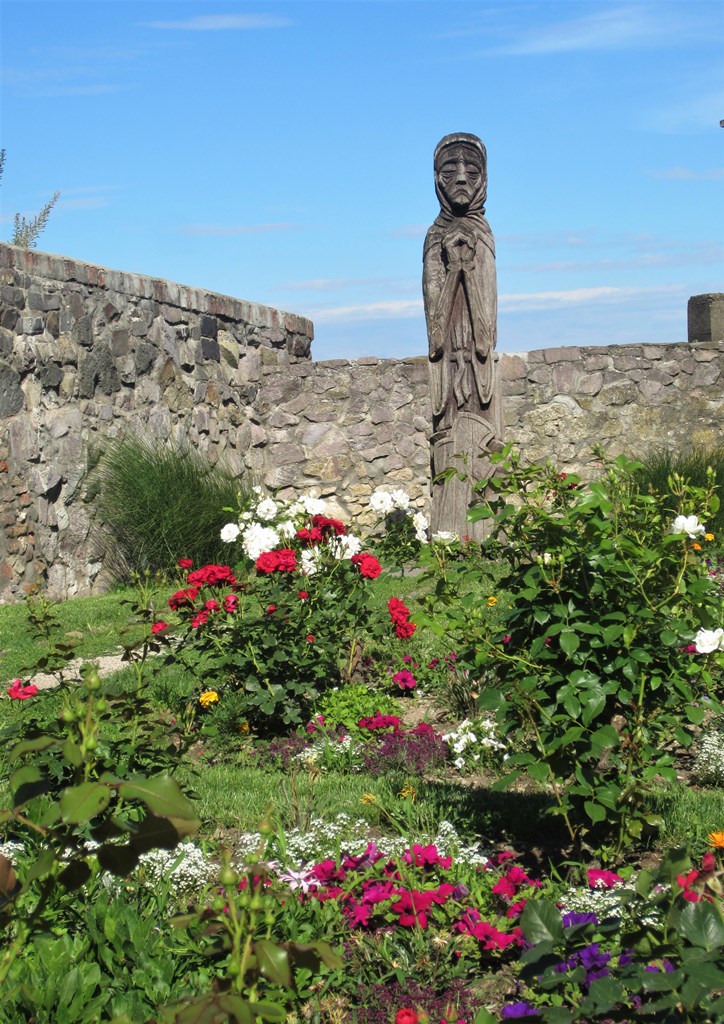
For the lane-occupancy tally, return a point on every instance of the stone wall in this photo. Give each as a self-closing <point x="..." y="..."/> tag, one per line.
<point x="346" y="426"/>
<point x="87" y="353"/>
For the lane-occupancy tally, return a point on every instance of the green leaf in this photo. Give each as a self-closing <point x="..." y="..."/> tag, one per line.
<point x="541" y="922"/>
<point x="569" y="641"/>
<point x="81" y="803"/>
<point x="702" y="924"/>
<point x="269" y="1011"/>
<point x="695" y="714"/>
<point x="33" y="746"/>
<point x="595" y="811"/>
<point x="161" y="795"/>
<point x="119" y="860"/>
<point x="273" y="962"/>
<point x="485" y="1017"/>
<point x="75" y="875"/>
<point x="27" y="782"/>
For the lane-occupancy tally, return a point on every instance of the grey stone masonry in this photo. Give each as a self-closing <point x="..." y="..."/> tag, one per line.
<point x="705" y="317"/>
<point x="87" y="353"/>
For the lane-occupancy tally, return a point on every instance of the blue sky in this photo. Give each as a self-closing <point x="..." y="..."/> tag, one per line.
<point x="281" y="152"/>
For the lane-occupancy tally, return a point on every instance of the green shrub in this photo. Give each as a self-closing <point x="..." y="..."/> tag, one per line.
<point x="659" y="466"/>
<point x="157" y="503"/>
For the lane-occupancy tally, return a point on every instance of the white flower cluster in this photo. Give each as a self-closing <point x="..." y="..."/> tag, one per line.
<point x="184" y="868"/>
<point x="342" y="836"/>
<point x="707" y="641"/>
<point x="609" y="903"/>
<point x="689" y="525"/>
<point x="325" y="749"/>
<point x="471" y="739"/>
<point x="385" y="503"/>
<point x="708" y="765"/>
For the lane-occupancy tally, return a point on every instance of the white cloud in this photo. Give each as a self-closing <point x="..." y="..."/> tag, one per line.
<point x="686" y="174"/>
<point x="606" y="29"/>
<point x="332" y="284"/>
<point x="222" y="22"/>
<point x="393" y="310"/>
<point x="235" y="229"/>
<point x="603" y="295"/>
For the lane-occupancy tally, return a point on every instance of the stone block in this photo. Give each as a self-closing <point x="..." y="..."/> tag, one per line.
<point x="12" y="397"/>
<point x="705" y="317"/>
<point x="210" y="349"/>
<point x="120" y="345"/>
<point x="513" y="368"/>
<point x="208" y="326"/>
<point x="31" y="325"/>
<point x="23" y="440"/>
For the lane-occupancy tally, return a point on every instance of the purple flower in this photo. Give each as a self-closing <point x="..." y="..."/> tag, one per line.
<point x="572" y="917"/>
<point x="515" y="1010"/>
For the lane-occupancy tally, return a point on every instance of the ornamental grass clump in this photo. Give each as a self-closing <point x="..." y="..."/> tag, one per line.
<point x="154" y="501"/>
<point x="608" y="654"/>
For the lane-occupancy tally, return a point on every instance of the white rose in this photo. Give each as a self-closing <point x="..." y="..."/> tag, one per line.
<point x="381" y="502"/>
<point x="401" y="498"/>
<point x="309" y="561"/>
<point x="258" y="538"/>
<point x="287" y="529"/>
<point x="312" y="505"/>
<point x="689" y="525"/>
<point x="267" y="509"/>
<point x="444" y="537"/>
<point x="229" y="533"/>
<point x="708" y="640"/>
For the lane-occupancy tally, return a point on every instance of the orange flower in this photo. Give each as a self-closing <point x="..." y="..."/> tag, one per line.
<point x="717" y="839"/>
<point x="696" y="547"/>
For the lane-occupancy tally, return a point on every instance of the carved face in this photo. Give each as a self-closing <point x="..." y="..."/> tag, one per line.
<point x="459" y="175"/>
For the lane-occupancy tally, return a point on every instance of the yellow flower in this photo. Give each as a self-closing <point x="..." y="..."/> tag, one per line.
<point x="369" y="798"/>
<point x="708" y="536"/>
<point x="696" y="547"/>
<point x="408" y="791"/>
<point x="717" y="839"/>
<point x="208" y="697"/>
<point x="244" y="727"/>
<point x="492" y="601"/>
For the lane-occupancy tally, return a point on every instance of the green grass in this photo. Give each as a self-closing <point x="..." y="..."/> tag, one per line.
<point x="93" y="624"/>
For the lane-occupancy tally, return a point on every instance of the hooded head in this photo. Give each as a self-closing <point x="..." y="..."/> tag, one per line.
<point x="461" y="174"/>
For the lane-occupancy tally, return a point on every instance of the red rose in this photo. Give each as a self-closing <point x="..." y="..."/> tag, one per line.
<point x="310" y="638"/>
<point x="405" y="630"/>
<point x="368" y="565"/>
<point x="406" y="1017"/>
<point x="271" y="609"/>
<point x="286" y="560"/>
<point x="183" y="598"/>
<point x="211" y="575"/>
<point x="211" y="606"/>
<point x="267" y="561"/>
<point x="19" y="692"/>
<point x="158" y="627"/>
<point x="231" y="603"/>
<point x="200" y="619"/>
<point x="303" y="595"/>
<point x="184" y="563"/>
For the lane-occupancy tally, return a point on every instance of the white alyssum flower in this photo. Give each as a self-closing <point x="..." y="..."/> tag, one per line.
<point x="708" y="640"/>
<point x="230" y="532"/>
<point x="472" y="738"/>
<point x="257" y="538"/>
<point x="381" y="502"/>
<point x="689" y="525"/>
<point x="709" y="763"/>
<point x="185" y="868"/>
<point x="267" y="510"/>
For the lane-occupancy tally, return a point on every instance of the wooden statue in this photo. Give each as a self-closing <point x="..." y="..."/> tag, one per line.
<point x="461" y="305"/>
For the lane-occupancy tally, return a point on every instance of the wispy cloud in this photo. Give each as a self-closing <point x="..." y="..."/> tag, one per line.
<point x="604" y="295"/>
<point x="393" y="310"/>
<point x="332" y="284"/>
<point x="612" y="28"/>
<point x="236" y="229"/>
<point x="522" y="302"/>
<point x="699" y="254"/>
<point x="410" y="231"/>
<point x="686" y="174"/>
<point x="222" y="22"/>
